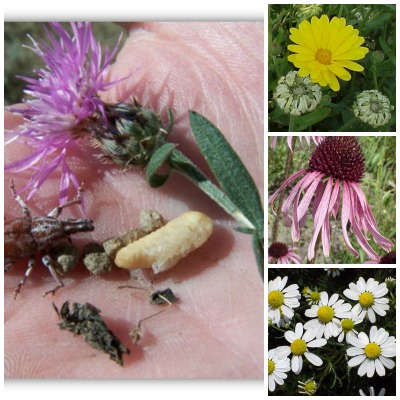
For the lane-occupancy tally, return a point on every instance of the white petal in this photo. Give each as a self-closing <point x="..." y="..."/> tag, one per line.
<point x="317" y="343"/>
<point x="371" y="369"/>
<point x="282" y="351"/>
<point x="371" y="315"/>
<point x="351" y="294"/>
<point x="380" y="370"/>
<point x="295" y="364"/>
<point x="333" y="299"/>
<point x="311" y="313"/>
<point x="324" y="298"/>
<point x="356" y="360"/>
<point x="315" y="360"/>
<point x="271" y="383"/>
<point x="373" y="333"/>
<point x="387" y="362"/>
<point x="288" y="312"/>
<point x="354" y="351"/>
<point x="299" y="330"/>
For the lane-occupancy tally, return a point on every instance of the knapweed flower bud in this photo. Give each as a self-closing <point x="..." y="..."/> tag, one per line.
<point x="296" y="95"/>
<point x="373" y="108"/>
<point x="130" y="134"/>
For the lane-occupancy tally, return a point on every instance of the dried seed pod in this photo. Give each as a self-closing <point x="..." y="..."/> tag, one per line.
<point x="163" y="248"/>
<point x="66" y="256"/>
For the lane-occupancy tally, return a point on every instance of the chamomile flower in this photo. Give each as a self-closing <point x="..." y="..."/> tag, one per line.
<point x="308" y="387"/>
<point x="281" y="301"/>
<point x="276" y="369"/>
<point x="300" y="341"/>
<point x="373" y="352"/>
<point x="369" y="296"/>
<point x="334" y="272"/>
<point x="372" y="392"/>
<point x="347" y="325"/>
<point x="312" y="296"/>
<point x="326" y="316"/>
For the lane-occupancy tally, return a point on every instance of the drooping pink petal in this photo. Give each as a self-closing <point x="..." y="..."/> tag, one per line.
<point x="320" y="216"/>
<point x="346" y="210"/>
<point x="305" y="201"/>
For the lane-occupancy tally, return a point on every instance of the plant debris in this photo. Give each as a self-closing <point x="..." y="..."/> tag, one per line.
<point x="85" y="320"/>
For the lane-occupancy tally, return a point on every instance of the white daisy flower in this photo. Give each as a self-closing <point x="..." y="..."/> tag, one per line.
<point x="299" y="344"/>
<point x="326" y="316"/>
<point x="308" y="387"/>
<point x="372" y="392"/>
<point x="333" y="271"/>
<point x="369" y="296"/>
<point x="281" y="302"/>
<point x="276" y="369"/>
<point x="372" y="352"/>
<point x="347" y="325"/>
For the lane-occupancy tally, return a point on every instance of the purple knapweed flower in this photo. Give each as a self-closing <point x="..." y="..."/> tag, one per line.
<point x="280" y="253"/>
<point x="336" y="165"/>
<point x="65" y="95"/>
<point x="316" y="139"/>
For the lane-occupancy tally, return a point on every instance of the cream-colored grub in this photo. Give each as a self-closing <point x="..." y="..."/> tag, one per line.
<point x="163" y="248"/>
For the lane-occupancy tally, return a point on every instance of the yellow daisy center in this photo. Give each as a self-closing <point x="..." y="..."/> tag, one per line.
<point x="324" y="56"/>
<point x="275" y="298"/>
<point x="372" y="351"/>
<point x="366" y="299"/>
<point x="310" y="386"/>
<point x="315" y="296"/>
<point x="325" y="314"/>
<point x="271" y="367"/>
<point x="298" y="347"/>
<point x="347" y="325"/>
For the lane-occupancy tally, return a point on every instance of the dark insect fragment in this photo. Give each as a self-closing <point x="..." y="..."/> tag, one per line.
<point x="85" y="320"/>
<point x="163" y="297"/>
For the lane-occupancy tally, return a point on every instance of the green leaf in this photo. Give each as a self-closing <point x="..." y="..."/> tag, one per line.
<point x="159" y="157"/>
<point x="228" y="169"/>
<point x="306" y="120"/>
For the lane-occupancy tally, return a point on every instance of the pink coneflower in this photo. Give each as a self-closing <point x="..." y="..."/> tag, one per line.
<point x="316" y="139"/>
<point x="389" y="258"/>
<point x="282" y="254"/>
<point x="336" y="165"/>
<point x="64" y="95"/>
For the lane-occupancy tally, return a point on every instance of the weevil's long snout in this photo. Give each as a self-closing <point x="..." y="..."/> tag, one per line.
<point x="77" y="225"/>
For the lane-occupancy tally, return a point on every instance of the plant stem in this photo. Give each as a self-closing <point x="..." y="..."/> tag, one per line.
<point x="180" y="163"/>
<point x="288" y="167"/>
<point x="347" y="124"/>
<point x="292" y="123"/>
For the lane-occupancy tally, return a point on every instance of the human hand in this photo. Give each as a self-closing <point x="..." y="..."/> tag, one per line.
<point x="216" y="329"/>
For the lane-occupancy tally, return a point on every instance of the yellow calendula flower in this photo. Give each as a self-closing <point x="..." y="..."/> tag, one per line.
<point x="324" y="49"/>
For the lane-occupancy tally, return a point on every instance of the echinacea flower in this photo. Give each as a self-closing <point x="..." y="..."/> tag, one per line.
<point x="347" y="325"/>
<point x="336" y="165"/>
<point x="389" y="258"/>
<point x="324" y="49"/>
<point x="64" y="95"/>
<point x="373" y="108"/>
<point x="276" y="370"/>
<point x="369" y="296"/>
<point x="372" y="392"/>
<point x="308" y="387"/>
<point x="373" y="352"/>
<point x="297" y="95"/>
<point x="282" y="254"/>
<point x="326" y="316"/>
<point x="281" y="301"/>
<point x="300" y="341"/>
<point x="316" y="140"/>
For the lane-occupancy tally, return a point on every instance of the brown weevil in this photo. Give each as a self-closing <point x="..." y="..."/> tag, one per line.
<point x="27" y="235"/>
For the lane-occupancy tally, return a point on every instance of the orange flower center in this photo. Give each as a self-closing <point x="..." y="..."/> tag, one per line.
<point x="323" y="56"/>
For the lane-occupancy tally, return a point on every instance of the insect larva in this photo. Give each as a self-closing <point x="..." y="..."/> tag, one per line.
<point x="163" y="248"/>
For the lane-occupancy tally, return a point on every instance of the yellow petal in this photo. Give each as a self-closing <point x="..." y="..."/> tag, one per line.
<point x="340" y="72"/>
<point x="332" y="80"/>
<point x="349" y="65"/>
<point x="350" y="43"/>
<point x="304" y="72"/>
<point x="355" y="54"/>
<point x="307" y="36"/>
<point x="315" y="74"/>
<point x="316" y="31"/>
<point x="303" y="57"/>
<point x="324" y="26"/>
<point x="300" y="49"/>
<point x="341" y="37"/>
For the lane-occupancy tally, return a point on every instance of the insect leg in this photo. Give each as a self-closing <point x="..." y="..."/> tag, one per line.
<point x="57" y="211"/>
<point x="25" y="208"/>
<point x="31" y="264"/>
<point x="48" y="262"/>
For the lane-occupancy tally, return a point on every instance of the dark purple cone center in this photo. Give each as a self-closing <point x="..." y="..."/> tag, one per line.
<point x="340" y="157"/>
<point x="277" y="250"/>
<point x="389" y="258"/>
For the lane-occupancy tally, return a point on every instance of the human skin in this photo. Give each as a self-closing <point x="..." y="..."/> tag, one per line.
<point x="216" y="328"/>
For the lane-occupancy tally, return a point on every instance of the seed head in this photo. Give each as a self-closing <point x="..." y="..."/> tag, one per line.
<point x="277" y="250"/>
<point x="340" y="157"/>
<point x="389" y="258"/>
